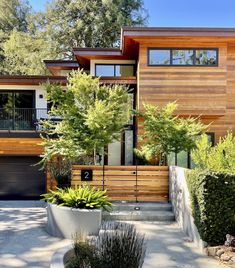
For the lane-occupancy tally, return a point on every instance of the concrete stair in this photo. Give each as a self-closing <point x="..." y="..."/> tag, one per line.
<point x="141" y="211"/>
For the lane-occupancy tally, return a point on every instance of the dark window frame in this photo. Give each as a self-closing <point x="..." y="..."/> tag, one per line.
<point x="114" y="65"/>
<point x="182" y="65"/>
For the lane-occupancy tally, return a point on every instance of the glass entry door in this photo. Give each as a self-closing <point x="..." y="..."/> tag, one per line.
<point x="17" y="110"/>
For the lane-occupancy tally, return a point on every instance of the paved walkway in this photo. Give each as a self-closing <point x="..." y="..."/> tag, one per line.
<point x="167" y="247"/>
<point x="23" y="239"/>
<point x="25" y="243"/>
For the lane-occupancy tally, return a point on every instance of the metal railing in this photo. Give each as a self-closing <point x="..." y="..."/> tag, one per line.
<point x="21" y="118"/>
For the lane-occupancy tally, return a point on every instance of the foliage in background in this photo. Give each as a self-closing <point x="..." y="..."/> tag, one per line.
<point x="83" y="197"/>
<point x="24" y="53"/>
<point x="26" y="35"/>
<point x="90" y="23"/>
<point x="93" y="116"/>
<point x="213" y="207"/>
<point x="220" y="158"/>
<point x="61" y="171"/>
<point x="165" y="133"/>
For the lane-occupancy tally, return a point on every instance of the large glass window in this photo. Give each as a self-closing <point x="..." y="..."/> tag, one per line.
<point x="182" y="57"/>
<point x="114" y="70"/>
<point x="16" y="110"/>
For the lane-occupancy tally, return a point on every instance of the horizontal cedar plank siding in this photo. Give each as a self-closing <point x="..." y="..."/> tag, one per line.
<point x="208" y="92"/>
<point x="159" y="85"/>
<point x="20" y="146"/>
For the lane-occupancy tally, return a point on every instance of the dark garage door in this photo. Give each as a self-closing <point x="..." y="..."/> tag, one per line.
<point x="19" y="179"/>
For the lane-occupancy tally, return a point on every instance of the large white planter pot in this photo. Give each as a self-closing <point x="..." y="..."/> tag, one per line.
<point x="65" y="222"/>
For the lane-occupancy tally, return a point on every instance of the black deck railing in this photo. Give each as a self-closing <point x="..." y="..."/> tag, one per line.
<point x="21" y="118"/>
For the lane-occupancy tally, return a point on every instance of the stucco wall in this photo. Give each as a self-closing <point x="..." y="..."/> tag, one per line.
<point x="179" y="196"/>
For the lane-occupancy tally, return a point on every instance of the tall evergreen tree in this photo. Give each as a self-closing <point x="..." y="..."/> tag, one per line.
<point x="27" y="38"/>
<point x="90" y="23"/>
<point x="13" y="15"/>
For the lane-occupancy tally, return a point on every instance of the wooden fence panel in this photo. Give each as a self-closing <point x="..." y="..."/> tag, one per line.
<point x="127" y="183"/>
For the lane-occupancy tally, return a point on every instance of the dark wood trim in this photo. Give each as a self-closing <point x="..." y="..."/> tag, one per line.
<point x="19" y="134"/>
<point x="132" y="80"/>
<point x="38" y="80"/>
<point x="31" y="79"/>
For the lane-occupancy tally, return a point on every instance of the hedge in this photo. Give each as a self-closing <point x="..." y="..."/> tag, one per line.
<point x="213" y="204"/>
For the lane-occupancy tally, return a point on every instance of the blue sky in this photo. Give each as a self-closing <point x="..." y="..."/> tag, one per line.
<point x="191" y="13"/>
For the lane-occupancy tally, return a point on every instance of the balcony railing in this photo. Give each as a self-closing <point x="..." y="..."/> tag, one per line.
<point x="21" y="118"/>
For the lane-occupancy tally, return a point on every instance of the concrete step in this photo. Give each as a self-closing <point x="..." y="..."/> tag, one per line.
<point x="139" y="215"/>
<point x="141" y="206"/>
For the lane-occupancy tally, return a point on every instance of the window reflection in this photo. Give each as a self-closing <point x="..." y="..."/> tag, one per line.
<point x="206" y="57"/>
<point x="182" y="57"/>
<point x="104" y="70"/>
<point x="159" y="57"/>
<point x="191" y="57"/>
<point x="114" y="70"/>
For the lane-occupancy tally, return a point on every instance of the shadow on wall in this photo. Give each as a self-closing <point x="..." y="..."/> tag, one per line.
<point x="180" y="198"/>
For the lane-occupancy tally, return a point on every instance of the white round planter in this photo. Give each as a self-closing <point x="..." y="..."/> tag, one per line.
<point x="65" y="222"/>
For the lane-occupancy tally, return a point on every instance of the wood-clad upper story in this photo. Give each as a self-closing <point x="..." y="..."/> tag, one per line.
<point x="206" y="91"/>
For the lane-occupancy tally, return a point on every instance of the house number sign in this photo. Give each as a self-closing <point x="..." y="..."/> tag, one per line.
<point x="86" y="175"/>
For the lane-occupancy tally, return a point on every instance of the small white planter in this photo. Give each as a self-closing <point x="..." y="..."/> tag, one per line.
<point x="65" y="222"/>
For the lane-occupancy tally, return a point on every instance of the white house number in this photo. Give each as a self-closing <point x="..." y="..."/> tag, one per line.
<point x="86" y="175"/>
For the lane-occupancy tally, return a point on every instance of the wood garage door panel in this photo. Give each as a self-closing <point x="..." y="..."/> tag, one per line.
<point x="20" y="179"/>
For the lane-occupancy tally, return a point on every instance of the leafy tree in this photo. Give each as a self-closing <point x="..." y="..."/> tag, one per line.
<point x="24" y="54"/>
<point x="165" y="133"/>
<point x="13" y="15"/>
<point x="93" y="116"/>
<point x="219" y="158"/>
<point x="90" y="23"/>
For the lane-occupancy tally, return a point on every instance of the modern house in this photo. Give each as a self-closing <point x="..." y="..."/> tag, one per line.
<point x="194" y="66"/>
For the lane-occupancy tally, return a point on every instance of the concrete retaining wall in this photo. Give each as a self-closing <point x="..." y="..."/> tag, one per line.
<point x="179" y="196"/>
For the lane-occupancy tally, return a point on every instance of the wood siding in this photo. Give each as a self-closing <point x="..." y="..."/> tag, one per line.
<point x="208" y="92"/>
<point x="20" y="146"/>
<point x="130" y="183"/>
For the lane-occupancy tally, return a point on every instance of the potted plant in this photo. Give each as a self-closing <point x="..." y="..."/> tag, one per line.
<point x="71" y="211"/>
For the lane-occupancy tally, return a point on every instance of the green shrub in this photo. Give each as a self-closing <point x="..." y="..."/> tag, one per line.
<point x="85" y="256"/>
<point x="219" y="158"/>
<point x="213" y="204"/>
<point x="120" y="245"/>
<point x="84" y="197"/>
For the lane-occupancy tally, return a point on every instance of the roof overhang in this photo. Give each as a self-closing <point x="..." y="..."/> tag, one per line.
<point x="85" y="55"/>
<point x="31" y="79"/>
<point x="55" y="66"/>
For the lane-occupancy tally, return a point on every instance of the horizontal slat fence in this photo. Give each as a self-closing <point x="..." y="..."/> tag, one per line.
<point x="128" y="183"/>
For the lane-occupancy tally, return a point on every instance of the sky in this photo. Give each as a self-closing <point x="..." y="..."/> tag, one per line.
<point x="182" y="13"/>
